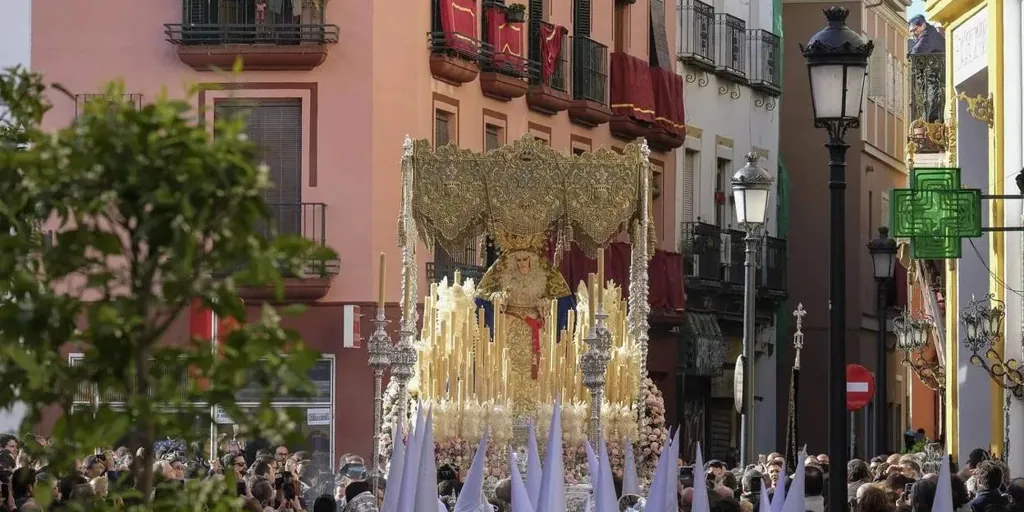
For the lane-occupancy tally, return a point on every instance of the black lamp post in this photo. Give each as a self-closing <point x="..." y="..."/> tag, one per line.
<point x="751" y="187"/>
<point x="883" y="259"/>
<point x="837" y="62"/>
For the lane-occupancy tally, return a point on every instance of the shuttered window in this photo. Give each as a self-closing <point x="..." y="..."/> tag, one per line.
<point x="581" y="18"/>
<point x="275" y="125"/>
<point x="537" y="10"/>
<point x="442" y="128"/>
<point x="689" y="170"/>
<point x="492" y="137"/>
<point x="876" y="77"/>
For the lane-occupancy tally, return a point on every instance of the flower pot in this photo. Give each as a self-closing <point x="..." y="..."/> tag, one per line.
<point x="515" y="16"/>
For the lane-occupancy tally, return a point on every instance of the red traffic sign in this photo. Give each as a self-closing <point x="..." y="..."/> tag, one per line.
<point x="860" y="387"/>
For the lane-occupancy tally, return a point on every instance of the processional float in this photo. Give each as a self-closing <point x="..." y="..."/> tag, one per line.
<point x="495" y="353"/>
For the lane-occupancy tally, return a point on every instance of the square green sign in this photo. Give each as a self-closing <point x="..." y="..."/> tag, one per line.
<point x="935" y="213"/>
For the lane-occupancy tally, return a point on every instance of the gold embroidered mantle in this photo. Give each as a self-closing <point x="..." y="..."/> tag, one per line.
<point x="525" y="188"/>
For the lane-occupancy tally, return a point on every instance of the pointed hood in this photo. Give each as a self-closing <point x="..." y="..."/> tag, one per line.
<point x="520" y="500"/>
<point x="426" y="481"/>
<point x="671" y="501"/>
<point x="534" y="473"/>
<point x="604" y="491"/>
<point x="397" y="466"/>
<point x="656" y="492"/>
<point x="944" y="488"/>
<point x="552" y="488"/>
<point x="779" y="497"/>
<point x="410" y="473"/>
<point x="592" y="464"/>
<point x="795" y="498"/>
<point x="472" y="495"/>
<point x="630" y="479"/>
<point x="763" y="504"/>
<point x="700" y="485"/>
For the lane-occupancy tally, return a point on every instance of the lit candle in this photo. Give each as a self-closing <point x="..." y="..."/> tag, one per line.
<point x="600" y="276"/>
<point x="591" y="300"/>
<point x="380" y="285"/>
<point x="458" y="278"/>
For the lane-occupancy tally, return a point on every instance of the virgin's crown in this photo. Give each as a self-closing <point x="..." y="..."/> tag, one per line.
<point x="510" y="242"/>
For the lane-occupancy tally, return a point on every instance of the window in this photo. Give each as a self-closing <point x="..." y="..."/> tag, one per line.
<point x="884" y="220"/>
<point x="540" y="132"/>
<point x="689" y="170"/>
<point x="621" y="34"/>
<point x="876" y="77"/>
<point x="581" y="18"/>
<point x="494" y="137"/>
<point x="722" y="215"/>
<point x="442" y="127"/>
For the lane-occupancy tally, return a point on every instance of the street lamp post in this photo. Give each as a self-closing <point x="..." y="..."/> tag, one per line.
<point x="751" y="186"/>
<point x="883" y="259"/>
<point x="837" y="62"/>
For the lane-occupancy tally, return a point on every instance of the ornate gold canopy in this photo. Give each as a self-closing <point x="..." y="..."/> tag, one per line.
<point x="524" y="189"/>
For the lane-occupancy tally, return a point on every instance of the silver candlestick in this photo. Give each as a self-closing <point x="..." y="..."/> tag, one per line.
<point x="403" y="363"/>
<point x="594" y="364"/>
<point x="379" y="348"/>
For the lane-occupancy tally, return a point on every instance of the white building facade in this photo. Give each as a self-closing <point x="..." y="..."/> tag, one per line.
<point x="730" y="54"/>
<point x="15" y="50"/>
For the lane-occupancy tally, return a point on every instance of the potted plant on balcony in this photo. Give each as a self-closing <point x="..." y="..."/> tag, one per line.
<point x="515" y="13"/>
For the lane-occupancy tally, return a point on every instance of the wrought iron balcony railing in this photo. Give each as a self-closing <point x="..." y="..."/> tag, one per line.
<point x="696" y="33"/>
<point x="773" y="264"/>
<point x="702" y="251"/>
<point x="927" y="101"/>
<point x="735" y="257"/>
<point x="244" y="22"/>
<point x="455" y="45"/>
<point x="469" y="264"/>
<point x="559" y="77"/>
<point x="589" y="70"/>
<point x="716" y="254"/>
<point x="763" y="52"/>
<point x="730" y="43"/>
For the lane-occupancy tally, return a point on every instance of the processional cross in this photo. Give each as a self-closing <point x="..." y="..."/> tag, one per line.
<point x="936" y="213"/>
<point x="798" y="336"/>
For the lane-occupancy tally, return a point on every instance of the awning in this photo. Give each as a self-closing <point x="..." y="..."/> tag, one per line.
<point x="706" y="344"/>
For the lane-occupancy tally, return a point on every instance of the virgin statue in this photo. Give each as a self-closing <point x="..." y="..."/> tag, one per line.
<point x="526" y="282"/>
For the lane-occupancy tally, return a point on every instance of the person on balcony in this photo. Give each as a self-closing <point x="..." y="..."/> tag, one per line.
<point x="927" y="39"/>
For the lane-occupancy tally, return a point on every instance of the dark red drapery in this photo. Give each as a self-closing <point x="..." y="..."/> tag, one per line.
<point x="668" y="101"/>
<point x="458" y="21"/>
<point x="506" y="38"/>
<point x="631" y="91"/>
<point x="664" y="274"/>
<point x="550" y="49"/>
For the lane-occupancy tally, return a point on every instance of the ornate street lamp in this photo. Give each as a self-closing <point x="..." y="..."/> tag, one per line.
<point x="751" y="188"/>
<point x="983" y="326"/>
<point x="837" y="63"/>
<point x="883" y="259"/>
<point x="912" y="335"/>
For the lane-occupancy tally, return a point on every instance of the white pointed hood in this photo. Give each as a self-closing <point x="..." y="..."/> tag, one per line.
<point x="592" y="464"/>
<point x="656" y="492"/>
<point x="630" y="478"/>
<point x="779" y="497"/>
<point x="520" y="500"/>
<point x="944" y="488"/>
<point x="407" y="493"/>
<point x="552" y="488"/>
<point x="534" y="473"/>
<point x="671" y="500"/>
<point x="396" y="469"/>
<point x="795" y="498"/>
<point x="763" y="504"/>
<point x="426" y="481"/>
<point x="472" y="495"/>
<point x="604" y="491"/>
<point x="700" y="485"/>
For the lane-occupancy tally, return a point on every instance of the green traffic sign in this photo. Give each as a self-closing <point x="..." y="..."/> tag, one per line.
<point x="935" y="213"/>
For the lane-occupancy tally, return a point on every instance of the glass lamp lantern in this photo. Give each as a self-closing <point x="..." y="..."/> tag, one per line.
<point x="911" y="333"/>
<point x="751" y="188"/>
<point x="837" y="61"/>
<point x="883" y="255"/>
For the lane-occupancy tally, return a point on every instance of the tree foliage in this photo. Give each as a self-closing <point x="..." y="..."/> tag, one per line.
<point x="151" y="212"/>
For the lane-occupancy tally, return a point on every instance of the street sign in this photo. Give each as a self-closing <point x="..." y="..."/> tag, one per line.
<point x="860" y="387"/>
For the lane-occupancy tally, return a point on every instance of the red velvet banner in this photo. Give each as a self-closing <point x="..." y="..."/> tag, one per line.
<point x="550" y="49"/>
<point x="664" y="274"/>
<point x="668" y="101"/>
<point x="506" y="38"/>
<point x="631" y="91"/>
<point x="458" y="21"/>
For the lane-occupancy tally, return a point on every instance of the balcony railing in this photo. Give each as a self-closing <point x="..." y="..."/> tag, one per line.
<point x="714" y="254"/>
<point x="730" y="43"/>
<point x="696" y="33"/>
<point x="763" y="52"/>
<point x="455" y="45"/>
<point x="243" y="22"/>
<point x="308" y="220"/>
<point x="589" y="70"/>
<point x="468" y="264"/>
<point x="774" y="264"/>
<point x="81" y="100"/>
<point x="702" y="251"/>
<point x="559" y="78"/>
<point x="927" y="101"/>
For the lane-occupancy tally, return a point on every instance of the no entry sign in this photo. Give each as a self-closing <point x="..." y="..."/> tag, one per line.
<point x="860" y="387"/>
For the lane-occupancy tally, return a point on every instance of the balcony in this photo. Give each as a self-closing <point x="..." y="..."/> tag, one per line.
<point x="455" y="51"/>
<point x="927" y="101"/>
<point x="696" y="34"/>
<point x="549" y="53"/>
<point x="715" y="257"/>
<point x="632" y="97"/>
<point x="505" y="66"/>
<point x="213" y="34"/>
<point x="308" y="220"/>
<point x="764" y="71"/>
<point x="589" y="82"/>
<point x="730" y="46"/>
<point x="444" y="266"/>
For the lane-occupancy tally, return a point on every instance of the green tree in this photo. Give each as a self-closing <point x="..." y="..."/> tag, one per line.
<point x="150" y="209"/>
